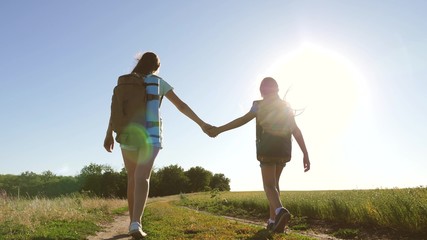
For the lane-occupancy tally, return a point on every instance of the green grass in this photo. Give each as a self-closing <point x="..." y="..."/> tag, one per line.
<point x="48" y="230"/>
<point x="163" y="220"/>
<point x="402" y="211"/>
<point x="79" y="217"/>
<point x="347" y="233"/>
<point x="60" y="218"/>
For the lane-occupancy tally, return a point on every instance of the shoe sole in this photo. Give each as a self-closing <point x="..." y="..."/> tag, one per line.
<point x="137" y="235"/>
<point x="283" y="221"/>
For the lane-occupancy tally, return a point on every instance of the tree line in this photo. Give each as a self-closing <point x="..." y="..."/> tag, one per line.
<point x="102" y="181"/>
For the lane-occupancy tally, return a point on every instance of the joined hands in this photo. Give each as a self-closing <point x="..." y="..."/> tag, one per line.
<point x="211" y="131"/>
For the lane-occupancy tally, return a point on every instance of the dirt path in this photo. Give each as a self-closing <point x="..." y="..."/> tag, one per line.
<point x="117" y="229"/>
<point x="309" y="233"/>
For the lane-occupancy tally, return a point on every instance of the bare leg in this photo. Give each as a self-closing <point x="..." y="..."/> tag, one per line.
<point x="142" y="184"/>
<point x="129" y="158"/>
<point x="271" y="189"/>
<point x="279" y="169"/>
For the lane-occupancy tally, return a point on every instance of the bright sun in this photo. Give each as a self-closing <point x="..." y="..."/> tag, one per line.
<point x="322" y="82"/>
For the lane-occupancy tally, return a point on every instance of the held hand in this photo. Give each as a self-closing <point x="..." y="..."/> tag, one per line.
<point x="206" y="127"/>
<point x="109" y="143"/>
<point x="213" y="132"/>
<point x="306" y="162"/>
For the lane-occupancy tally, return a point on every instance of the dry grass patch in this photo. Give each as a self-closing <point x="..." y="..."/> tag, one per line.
<point x="41" y="217"/>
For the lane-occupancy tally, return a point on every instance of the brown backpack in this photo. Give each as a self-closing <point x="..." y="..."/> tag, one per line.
<point x="128" y="108"/>
<point x="274" y="123"/>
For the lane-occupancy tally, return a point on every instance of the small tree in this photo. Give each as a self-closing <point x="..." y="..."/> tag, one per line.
<point x="220" y="182"/>
<point x="199" y="179"/>
<point x="47" y="176"/>
<point x="91" y="177"/>
<point x="172" y="180"/>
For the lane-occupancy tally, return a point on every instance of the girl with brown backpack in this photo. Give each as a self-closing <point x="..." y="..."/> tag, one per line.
<point x="136" y="121"/>
<point x="275" y="125"/>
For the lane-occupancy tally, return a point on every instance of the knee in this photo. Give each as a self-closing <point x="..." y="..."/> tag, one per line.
<point x="142" y="177"/>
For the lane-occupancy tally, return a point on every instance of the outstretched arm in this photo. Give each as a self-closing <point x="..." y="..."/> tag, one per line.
<point x="233" y="124"/>
<point x="186" y="110"/>
<point x="300" y="140"/>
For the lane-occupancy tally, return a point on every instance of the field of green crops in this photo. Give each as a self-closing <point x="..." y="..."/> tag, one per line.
<point x="399" y="211"/>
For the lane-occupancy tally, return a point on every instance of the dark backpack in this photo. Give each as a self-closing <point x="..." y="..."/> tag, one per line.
<point x="128" y="108"/>
<point x="274" y="130"/>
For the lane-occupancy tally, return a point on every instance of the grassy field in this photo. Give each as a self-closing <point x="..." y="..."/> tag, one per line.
<point x="398" y="212"/>
<point x="79" y="217"/>
<point x="60" y="218"/>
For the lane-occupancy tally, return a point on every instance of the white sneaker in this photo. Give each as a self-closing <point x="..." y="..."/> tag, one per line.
<point x="135" y="230"/>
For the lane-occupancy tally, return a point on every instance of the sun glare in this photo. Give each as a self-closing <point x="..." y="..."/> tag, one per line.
<point x="322" y="83"/>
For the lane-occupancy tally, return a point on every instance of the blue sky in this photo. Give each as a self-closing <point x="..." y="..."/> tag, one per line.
<point x="356" y="67"/>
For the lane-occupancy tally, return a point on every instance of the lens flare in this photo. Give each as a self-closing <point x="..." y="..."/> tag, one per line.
<point x="136" y="136"/>
<point x="323" y="83"/>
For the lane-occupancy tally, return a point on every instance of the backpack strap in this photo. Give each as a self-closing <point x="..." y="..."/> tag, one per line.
<point x="151" y="124"/>
<point x="151" y="97"/>
<point x="259" y="129"/>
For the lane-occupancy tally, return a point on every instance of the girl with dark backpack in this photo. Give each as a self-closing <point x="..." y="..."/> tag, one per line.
<point x="138" y="129"/>
<point x="275" y="125"/>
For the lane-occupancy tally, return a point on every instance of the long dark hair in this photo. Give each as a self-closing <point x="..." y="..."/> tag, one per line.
<point x="149" y="63"/>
